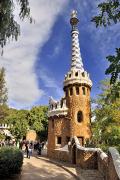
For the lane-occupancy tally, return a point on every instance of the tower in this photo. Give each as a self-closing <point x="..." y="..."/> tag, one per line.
<point x="71" y="115"/>
<point x="77" y="86"/>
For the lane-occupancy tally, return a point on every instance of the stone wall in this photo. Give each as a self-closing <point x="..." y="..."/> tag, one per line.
<point x="95" y="158"/>
<point x="58" y="127"/>
<point x="113" y="164"/>
<point x="102" y="161"/>
<point x="31" y="135"/>
<point x="90" y="158"/>
<point x="61" y="154"/>
<point x="86" y="158"/>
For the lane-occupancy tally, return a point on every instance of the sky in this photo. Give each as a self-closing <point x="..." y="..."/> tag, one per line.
<point x="36" y="63"/>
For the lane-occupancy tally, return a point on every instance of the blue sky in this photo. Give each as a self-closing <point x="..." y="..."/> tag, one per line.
<point x="37" y="62"/>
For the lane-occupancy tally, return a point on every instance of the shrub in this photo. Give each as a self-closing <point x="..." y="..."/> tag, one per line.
<point x="11" y="160"/>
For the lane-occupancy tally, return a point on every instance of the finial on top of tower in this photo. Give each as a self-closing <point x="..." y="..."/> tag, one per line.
<point x="74" y="20"/>
<point x="74" y="14"/>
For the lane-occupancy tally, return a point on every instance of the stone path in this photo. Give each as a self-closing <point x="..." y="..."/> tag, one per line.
<point x="38" y="168"/>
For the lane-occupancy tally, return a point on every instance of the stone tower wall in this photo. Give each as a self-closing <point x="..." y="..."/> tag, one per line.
<point x="77" y="103"/>
<point x="58" y="127"/>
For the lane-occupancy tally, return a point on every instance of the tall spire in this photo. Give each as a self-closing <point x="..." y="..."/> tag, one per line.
<point x="76" y="55"/>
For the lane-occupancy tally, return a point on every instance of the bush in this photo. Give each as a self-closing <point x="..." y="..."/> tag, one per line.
<point x="11" y="160"/>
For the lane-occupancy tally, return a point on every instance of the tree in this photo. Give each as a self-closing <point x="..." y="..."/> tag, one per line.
<point x="3" y="95"/>
<point x="17" y="120"/>
<point x="3" y="89"/>
<point x="106" y="127"/>
<point x="109" y="13"/>
<point x="20" y="121"/>
<point x="38" y="120"/>
<point x="9" y="27"/>
<point x="114" y="68"/>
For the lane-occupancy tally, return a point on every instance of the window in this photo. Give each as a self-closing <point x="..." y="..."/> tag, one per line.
<point x="71" y="91"/>
<point x="52" y="123"/>
<point x="55" y="106"/>
<point x="52" y="106"/>
<point x="58" y="140"/>
<point x="79" y="116"/>
<point x="83" y="74"/>
<point x="66" y="92"/>
<point x="76" y="74"/>
<point x="69" y="75"/>
<point x="83" y="89"/>
<point x="77" y="90"/>
<point x="61" y="104"/>
<point x="87" y="91"/>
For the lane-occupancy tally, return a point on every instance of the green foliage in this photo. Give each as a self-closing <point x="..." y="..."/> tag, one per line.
<point x="20" y="121"/>
<point x="9" y="28"/>
<point x="17" y="120"/>
<point x="3" y="89"/>
<point x="106" y="127"/>
<point x="109" y="12"/>
<point x="114" y="68"/>
<point x="3" y="113"/>
<point x="2" y="136"/>
<point x="3" y="96"/>
<point x="11" y="161"/>
<point x="37" y="118"/>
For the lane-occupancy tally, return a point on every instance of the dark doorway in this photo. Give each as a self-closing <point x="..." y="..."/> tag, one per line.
<point x="74" y="154"/>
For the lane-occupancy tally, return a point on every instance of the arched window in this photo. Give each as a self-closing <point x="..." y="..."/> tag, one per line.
<point x="77" y="90"/>
<point x="52" y="123"/>
<point x="83" y="89"/>
<point x="76" y="74"/>
<point x="79" y="116"/>
<point x="71" y="91"/>
<point x="55" y="106"/>
<point x="83" y="74"/>
<point x="51" y="106"/>
<point x="61" y="105"/>
<point x="66" y="92"/>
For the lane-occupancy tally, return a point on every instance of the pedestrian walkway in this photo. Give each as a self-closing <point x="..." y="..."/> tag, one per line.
<point x="37" y="168"/>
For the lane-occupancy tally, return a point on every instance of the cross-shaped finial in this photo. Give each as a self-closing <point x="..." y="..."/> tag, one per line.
<point x="74" y="14"/>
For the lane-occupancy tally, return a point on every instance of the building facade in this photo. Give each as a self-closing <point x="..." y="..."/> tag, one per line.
<point x="71" y="115"/>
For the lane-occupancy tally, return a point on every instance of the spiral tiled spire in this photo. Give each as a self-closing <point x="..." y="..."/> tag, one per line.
<point x="76" y="55"/>
<point x="76" y="74"/>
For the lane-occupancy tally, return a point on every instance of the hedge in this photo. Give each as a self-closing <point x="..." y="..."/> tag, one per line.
<point x="11" y="160"/>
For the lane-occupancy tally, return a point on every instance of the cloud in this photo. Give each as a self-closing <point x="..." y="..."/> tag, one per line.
<point x="50" y="82"/>
<point x="19" y="57"/>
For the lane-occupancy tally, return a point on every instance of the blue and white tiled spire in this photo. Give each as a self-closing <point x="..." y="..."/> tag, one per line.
<point x="76" y="55"/>
<point x="76" y="74"/>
